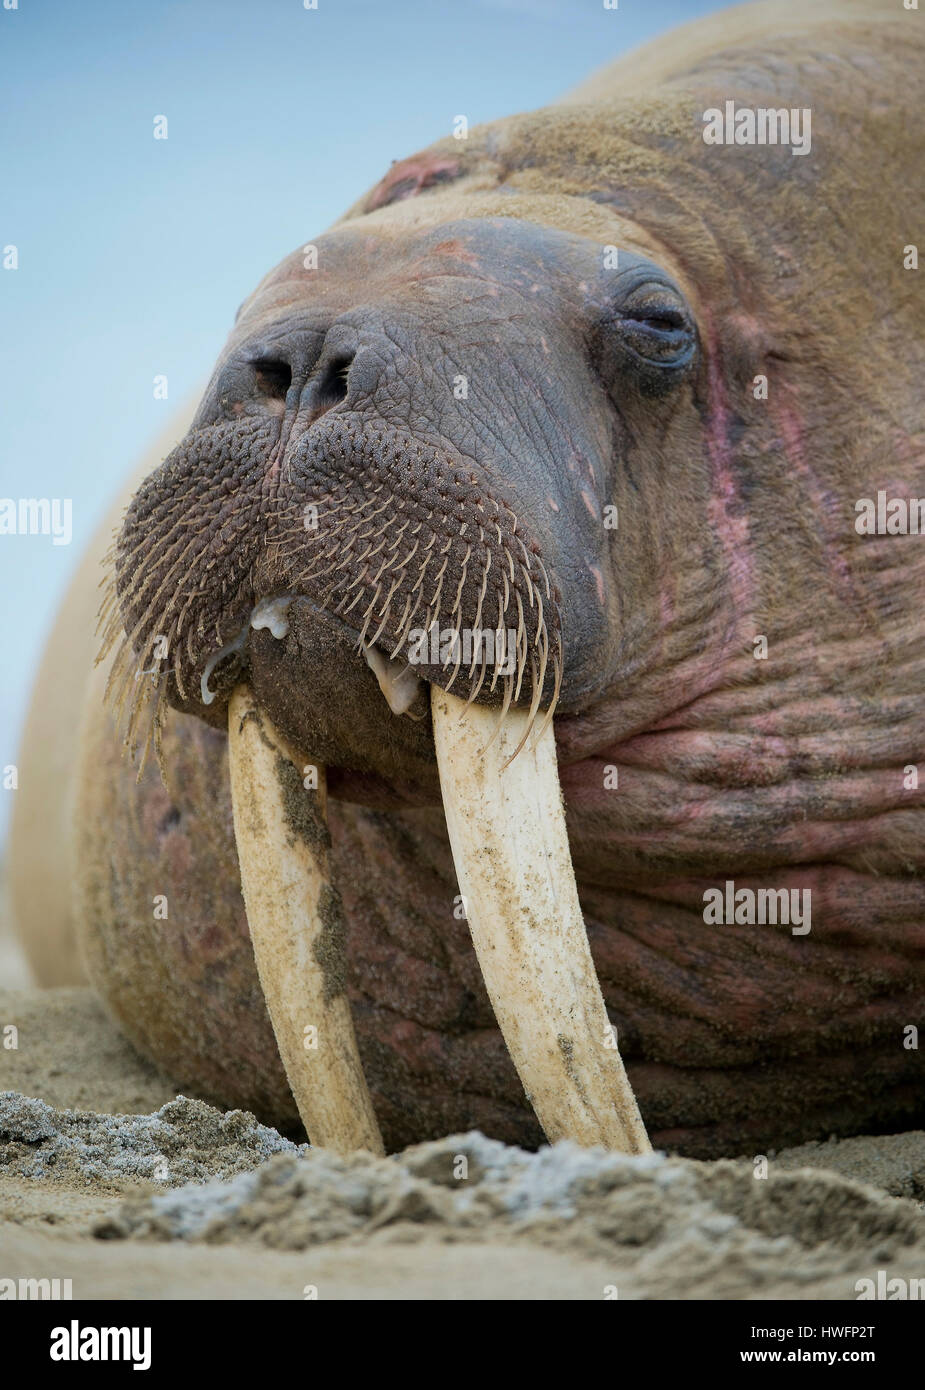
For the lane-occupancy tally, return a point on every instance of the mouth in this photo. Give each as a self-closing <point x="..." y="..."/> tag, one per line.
<point x="399" y="682"/>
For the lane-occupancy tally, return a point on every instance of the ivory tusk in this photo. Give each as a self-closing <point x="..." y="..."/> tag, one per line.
<point x="297" y="929"/>
<point x="511" y="852"/>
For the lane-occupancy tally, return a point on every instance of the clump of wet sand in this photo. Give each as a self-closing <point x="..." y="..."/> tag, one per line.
<point x="675" y="1224"/>
<point x="184" y="1141"/>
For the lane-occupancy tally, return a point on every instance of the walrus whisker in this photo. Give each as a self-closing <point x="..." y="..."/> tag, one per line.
<point x="383" y="569"/>
<point x="475" y="690"/>
<point x="557" y="685"/>
<point x="521" y="665"/>
<point x="505" y="706"/>
<point x="499" y="635"/>
<point x="462" y="581"/>
<point x="376" y="549"/>
<point x="521" y="637"/>
<point x="410" y="556"/>
<point x="356" y="599"/>
<point x="478" y="612"/>
<point x="152" y="735"/>
<point x="418" y="583"/>
<point x="540" y="619"/>
<point x="417" y="595"/>
<point x="367" y="619"/>
<point x="178" y="675"/>
<point x="451" y="682"/>
<point x="402" y="630"/>
<point x="529" y="581"/>
<point x="439" y="580"/>
<point x="385" y="617"/>
<point x="541" y="677"/>
<point x="434" y="604"/>
<point x="400" y="532"/>
<point x="171" y="551"/>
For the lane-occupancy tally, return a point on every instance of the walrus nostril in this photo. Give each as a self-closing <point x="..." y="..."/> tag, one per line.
<point x="328" y="386"/>
<point x="273" y="378"/>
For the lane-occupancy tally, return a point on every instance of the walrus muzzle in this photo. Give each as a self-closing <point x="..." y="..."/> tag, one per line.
<point x="507" y="830"/>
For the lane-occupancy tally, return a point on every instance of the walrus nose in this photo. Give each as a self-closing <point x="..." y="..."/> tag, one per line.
<point x="272" y="380"/>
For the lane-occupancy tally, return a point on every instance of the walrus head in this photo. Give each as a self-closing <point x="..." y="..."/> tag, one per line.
<point x="419" y="437"/>
<point x="408" y="479"/>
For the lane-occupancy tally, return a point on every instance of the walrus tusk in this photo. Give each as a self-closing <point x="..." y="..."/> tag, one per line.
<point x="287" y="892"/>
<point x="512" y="858"/>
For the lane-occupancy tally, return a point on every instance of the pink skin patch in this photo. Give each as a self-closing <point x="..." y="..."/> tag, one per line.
<point x="411" y="176"/>
<point x="457" y="249"/>
<point x="598" y="582"/>
<point x="728" y="513"/>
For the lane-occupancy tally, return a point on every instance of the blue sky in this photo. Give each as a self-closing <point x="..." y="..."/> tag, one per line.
<point x="134" y="253"/>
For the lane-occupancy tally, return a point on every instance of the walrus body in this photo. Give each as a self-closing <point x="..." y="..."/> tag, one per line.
<point x="688" y="758"/>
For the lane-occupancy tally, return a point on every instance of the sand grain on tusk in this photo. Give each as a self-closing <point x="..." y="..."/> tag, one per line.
<point x="510" y="847"/>
<point x="296" y="928"/>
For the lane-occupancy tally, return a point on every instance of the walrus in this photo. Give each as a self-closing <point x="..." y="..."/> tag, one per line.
<point x="622" y="387"/>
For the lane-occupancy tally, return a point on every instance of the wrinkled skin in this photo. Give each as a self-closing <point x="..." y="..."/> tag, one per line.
<point x="587" y="386"/>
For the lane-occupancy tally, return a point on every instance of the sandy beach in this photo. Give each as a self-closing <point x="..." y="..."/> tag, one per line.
<point x="106" y="1179"/>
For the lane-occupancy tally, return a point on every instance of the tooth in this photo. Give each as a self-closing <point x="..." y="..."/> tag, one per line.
<point x="510" y="848"/>
<point x="235" y="645"/>
<point x="273" y="613"/>
<point x="295" y="930"/>
<point x="397" y="681"/>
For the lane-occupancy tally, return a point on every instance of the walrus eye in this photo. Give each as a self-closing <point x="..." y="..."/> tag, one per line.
<point x="644" y="335"/>
<point x="659" y="331"/>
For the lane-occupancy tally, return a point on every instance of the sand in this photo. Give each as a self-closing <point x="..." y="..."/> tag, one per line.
<point x="110" y="1180"/>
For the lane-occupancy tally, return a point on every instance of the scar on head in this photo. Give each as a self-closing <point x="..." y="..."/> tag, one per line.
<point x="410" y="177"/>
